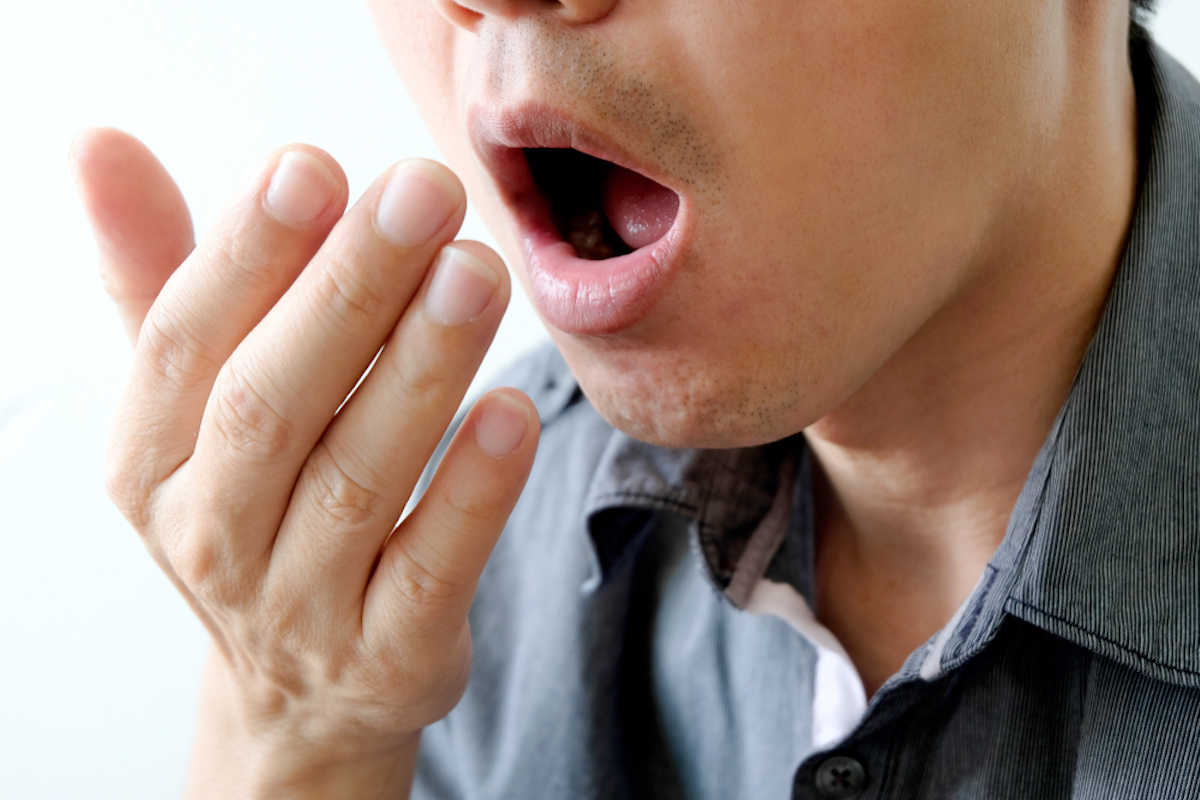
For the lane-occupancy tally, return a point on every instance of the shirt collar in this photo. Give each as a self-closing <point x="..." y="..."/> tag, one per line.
<point x="1103" y="547"/>
<point x="1113" y="554"/>
<point x="740" y="501"/>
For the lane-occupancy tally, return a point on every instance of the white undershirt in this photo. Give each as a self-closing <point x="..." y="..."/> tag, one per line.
<point x="839" y="700"/>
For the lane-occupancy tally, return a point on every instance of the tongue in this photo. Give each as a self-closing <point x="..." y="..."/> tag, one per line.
<point x="639" y="210"/>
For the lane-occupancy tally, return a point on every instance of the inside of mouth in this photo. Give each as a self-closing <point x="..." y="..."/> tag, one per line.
<point x="602" y="210"/>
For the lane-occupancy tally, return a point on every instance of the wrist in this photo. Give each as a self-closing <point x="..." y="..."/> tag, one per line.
<point x="293" y="776"/>
<point x="229" y="761"/>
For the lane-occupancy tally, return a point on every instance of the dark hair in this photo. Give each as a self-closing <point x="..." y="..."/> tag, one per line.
<point x="1140" y="12"/>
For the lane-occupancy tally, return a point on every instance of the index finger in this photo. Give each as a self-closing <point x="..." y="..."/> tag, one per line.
<point x="261" y="241"/>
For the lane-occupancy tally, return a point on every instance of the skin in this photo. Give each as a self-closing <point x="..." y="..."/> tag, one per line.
<point x="910" y="211"/>
<point x="878" y="204"/>
<point x="335" y="639"/>
<point x="916" y="308"/>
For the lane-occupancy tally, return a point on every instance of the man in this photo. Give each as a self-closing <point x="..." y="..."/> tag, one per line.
<point x="893" y="307"/>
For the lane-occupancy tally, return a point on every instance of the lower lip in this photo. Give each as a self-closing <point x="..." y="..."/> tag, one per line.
<point x="585" y="297"/>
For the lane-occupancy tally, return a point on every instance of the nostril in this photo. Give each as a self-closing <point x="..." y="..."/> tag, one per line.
<point x="467" y="14"/>
<point x="580" y="12"/>
<point x="458" y="14"/>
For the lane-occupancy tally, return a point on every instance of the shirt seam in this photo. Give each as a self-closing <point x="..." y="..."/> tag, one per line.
<point x="608" y="499"/>
<point x="1101" y="637"/>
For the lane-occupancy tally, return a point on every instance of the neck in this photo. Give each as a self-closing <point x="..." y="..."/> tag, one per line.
<point x="918" y="471"/>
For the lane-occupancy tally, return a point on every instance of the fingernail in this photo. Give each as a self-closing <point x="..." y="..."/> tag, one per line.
<point x="300" y="190"/>
<point x="461" y="288"/>
<point x="501" y="426"/>
<point x="414" y="205"/>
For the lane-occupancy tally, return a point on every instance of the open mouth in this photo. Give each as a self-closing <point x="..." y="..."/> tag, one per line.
<point x="600" y="240"/>
<point x="601" y="209"/>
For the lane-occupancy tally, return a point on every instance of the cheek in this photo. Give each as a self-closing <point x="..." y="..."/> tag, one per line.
<point x="422" y="47"/>
<point x="431" y="56"/>
<point x="876" y="113"/>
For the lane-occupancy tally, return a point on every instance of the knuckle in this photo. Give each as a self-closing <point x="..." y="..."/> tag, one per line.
<point x="126" y="489"/>
<point x="467" y="510"/>
<point x="340" y="497"/>
<point x="246" y="422"/>
<point x="420" y="381"/>
<point x="195" y="564"/>
<point x="206" y="569"/>
<point x="420" y="588"/>
<point x="342" y="290"/>
<point x="173" y="354"/>
<point x="249" y="262"/>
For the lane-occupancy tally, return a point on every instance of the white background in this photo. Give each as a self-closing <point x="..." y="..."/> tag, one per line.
<point x="99" y="658"/>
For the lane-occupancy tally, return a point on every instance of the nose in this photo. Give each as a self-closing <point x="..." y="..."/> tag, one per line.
<point x="467" y="14"/>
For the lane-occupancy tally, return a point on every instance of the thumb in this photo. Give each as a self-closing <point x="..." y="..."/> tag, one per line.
<point x="142" y="226"/>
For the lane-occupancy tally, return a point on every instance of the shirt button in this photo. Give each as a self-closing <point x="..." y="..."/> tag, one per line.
<point x="840" y="777"/>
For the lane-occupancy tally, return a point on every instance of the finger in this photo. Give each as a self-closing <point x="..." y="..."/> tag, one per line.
<point x="428" y="569"/>
<point x="356" y="481"/>
<point x="280" y="388"/>
<point x="141" y="223"/>
<point x="261" y="241"/>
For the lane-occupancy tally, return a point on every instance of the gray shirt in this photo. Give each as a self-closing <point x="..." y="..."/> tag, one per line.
<point x="613" y="657"/>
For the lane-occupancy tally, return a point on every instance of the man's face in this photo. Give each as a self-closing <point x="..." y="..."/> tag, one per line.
<point x="843" y="172"/>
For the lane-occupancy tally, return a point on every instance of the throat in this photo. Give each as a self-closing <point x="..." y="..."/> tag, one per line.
<point x="885" y="583"/>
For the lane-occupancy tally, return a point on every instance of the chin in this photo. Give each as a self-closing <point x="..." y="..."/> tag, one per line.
<point x="670" y="402"/>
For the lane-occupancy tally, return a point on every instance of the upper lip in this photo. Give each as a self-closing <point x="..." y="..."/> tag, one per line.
<point x="500" y="136"/>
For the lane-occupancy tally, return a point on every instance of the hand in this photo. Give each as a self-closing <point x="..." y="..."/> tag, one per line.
<point x="336" y="639"/>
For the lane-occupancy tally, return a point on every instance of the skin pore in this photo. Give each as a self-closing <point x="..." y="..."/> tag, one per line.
<point x="903" y="220"/>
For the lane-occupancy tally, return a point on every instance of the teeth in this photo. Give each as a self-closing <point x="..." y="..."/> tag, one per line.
<point x="585" y="232"/>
